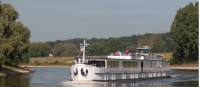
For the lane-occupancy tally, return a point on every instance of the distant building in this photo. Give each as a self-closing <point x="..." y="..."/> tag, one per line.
<point x="50" y="55"/>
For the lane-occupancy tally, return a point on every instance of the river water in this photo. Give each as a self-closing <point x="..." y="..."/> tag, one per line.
<point x="54" y="76"/>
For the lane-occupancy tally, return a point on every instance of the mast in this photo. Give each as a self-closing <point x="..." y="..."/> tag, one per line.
<point x="83" y="46"/>
<point x="84" y="50"/>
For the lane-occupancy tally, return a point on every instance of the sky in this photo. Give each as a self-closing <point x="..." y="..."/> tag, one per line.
<point x="50" y="20"/>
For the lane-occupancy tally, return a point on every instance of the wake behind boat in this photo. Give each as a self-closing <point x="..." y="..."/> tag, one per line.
<point x="119" y="66"/>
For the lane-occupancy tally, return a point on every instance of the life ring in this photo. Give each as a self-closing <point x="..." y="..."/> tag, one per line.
<point x="75" y="73"/>
<point x="84" y="73"/>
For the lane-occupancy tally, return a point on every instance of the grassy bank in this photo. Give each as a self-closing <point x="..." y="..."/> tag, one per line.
<point x="48" y="61"/>
<point x="67" y="61"/>
<point x="185" y="66"/>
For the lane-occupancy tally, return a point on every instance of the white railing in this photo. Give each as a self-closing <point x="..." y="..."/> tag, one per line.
<point x="132" y="70"/>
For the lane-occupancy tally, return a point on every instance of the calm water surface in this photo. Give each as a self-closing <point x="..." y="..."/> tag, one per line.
<point x="54" y="76"/>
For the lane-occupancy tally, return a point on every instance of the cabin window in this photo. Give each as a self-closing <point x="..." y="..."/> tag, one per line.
<point x="164" y="63"/>
<point x="151" y="64"/>
<point x="148" y="64"/>
<point x="143" y="51"/>
<point x="97" y="63"/>
<point x="113" y="64"/>
<point x="155" y="64"/>
<point x="100" y="63"/>
<point x="129" y="64"/>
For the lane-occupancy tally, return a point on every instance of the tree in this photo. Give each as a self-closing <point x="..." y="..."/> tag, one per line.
<point x="155" y="42"/>
<point x="184" y="31"/>
<point x="65" y="49"/>
<point x="96" y="48"/>
<point x="14" y="37"/>
<point x="40" y="50"/>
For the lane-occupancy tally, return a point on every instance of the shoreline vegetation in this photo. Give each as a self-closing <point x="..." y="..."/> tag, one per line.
<point x="185" y="66"/>
<point x="68" y="61"/>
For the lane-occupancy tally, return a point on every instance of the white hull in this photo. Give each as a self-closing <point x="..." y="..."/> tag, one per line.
<point x="100" y="74"/>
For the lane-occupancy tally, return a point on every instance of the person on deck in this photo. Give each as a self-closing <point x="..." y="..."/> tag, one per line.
<point x="126" y="52"/>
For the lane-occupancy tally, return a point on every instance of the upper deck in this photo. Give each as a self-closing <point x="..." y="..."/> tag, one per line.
<point x="131" y="57"/>
<point x="120" y="64"/>
<point x="142" y="53"/>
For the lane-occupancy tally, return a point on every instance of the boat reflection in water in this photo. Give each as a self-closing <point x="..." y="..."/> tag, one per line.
<point x="118" y="84"/>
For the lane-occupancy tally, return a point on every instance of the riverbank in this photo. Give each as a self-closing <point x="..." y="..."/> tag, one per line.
<point x="185" y="67"/>
<point x="6" y="70"/>
<point x="50" y="61"/>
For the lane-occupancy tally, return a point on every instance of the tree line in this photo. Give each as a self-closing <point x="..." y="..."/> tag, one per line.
<point x="160" y="42"/>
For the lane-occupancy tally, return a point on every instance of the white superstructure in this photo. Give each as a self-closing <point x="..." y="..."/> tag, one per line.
<point x="118" y="67"/>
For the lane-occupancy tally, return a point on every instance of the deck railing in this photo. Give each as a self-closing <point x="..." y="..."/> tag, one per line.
<point x="133" y="70"/>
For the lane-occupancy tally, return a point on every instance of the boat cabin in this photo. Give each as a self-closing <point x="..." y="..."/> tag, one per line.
<point x="139" y="61"/>
<point x="133" y="60"/>
<point x="126" y="65"/>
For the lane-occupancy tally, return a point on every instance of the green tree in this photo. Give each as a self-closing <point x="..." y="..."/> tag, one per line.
<point x="184" y="31"/>
<point x="40" y="50"/>
<point x="65" y="49"/>
<point x="14" y="37"/>
<point x="155" y="42"/>
<point x="96" y="48"/>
